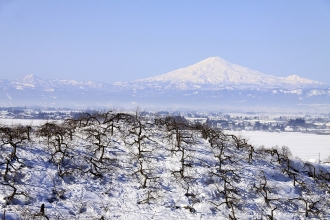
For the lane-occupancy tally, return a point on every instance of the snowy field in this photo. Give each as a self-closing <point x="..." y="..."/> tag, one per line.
<point x="31" y="122"/>
<point x="302" y="145"/>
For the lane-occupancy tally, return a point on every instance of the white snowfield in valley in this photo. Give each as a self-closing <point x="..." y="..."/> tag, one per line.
<point x="303" y="145"/>
<point x="24" y="122"/>
<point x="125" y="166"/>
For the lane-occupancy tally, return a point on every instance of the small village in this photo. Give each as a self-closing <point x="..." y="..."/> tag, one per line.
<point x="237" y="121"/>
<point x="307" y="124"/>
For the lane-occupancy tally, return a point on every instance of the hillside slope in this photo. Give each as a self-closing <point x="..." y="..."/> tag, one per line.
<point x="127" y="166"/>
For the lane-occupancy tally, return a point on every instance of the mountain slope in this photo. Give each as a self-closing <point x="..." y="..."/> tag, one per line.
<point x="212" y="83"/>
<point x="31" y="81"/>
<point x="216" y="71"/>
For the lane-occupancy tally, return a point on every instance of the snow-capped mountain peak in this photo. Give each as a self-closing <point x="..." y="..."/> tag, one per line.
<point x="216" y="71"/>
<point x="213" y="70"/>
<point x="297" y="79"/>
<point x="213" y="80"/>
<point x="32" y="81"/>
<point x="29" y="79"/>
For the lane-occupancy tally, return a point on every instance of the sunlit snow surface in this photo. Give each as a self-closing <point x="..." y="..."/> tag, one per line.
<point x="118" y="193"/>
<point x="302" y="145"/>
<point x="25" y="122"/>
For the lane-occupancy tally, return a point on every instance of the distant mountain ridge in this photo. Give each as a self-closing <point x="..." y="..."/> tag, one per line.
<point x="213" y="82"/>
<point x="212" y="72"/>
<point x="33" y="82"/>
<point x="218" y="73"/>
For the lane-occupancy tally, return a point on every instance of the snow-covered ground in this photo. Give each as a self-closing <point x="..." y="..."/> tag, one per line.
<point x="303" y="145"/>
<point x="121" y="166"/>
<point x="25" y="122"/>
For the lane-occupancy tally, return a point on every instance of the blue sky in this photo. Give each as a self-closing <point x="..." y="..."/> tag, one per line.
<point x="113" y="41"/>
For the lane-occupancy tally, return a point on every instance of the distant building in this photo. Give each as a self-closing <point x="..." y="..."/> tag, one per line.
<point x="196" y="120"/>
<point x="288" y="129"/>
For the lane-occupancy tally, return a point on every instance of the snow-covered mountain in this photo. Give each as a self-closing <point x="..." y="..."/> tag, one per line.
<point x="211" y="83"/>
<point x="32" y="81"/>
<point x="218" y="73"/>
<point x="32" y="90"/>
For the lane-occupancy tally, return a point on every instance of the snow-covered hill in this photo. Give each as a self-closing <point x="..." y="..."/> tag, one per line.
<point x="219" y="73"/>
<point x="120" y="165"/>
